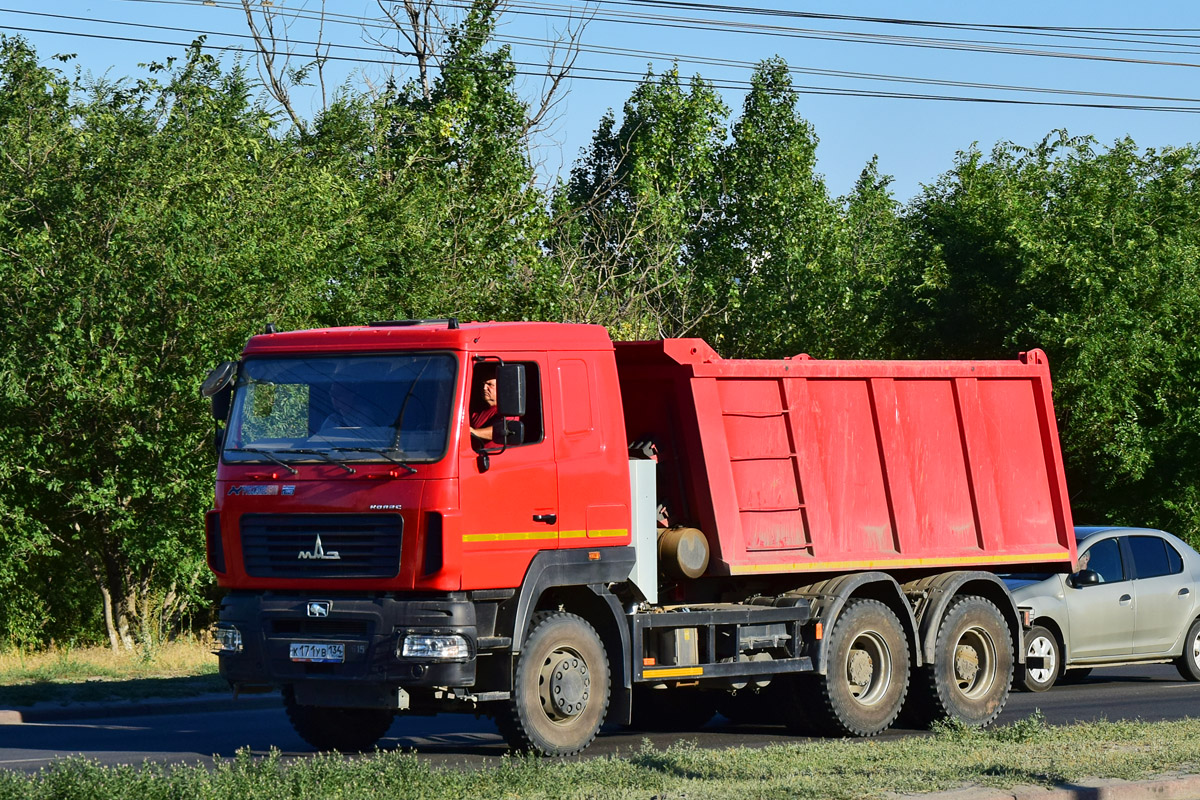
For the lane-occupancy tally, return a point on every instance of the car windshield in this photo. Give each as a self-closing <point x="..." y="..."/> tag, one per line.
<point x="343" y="408"/>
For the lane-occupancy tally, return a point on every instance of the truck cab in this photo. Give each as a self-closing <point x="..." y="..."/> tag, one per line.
<point x="369" y="541"/>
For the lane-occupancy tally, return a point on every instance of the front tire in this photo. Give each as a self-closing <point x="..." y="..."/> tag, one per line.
<point x="347" y="730"/>
<point x="1188" y="663"/>
<point x="560" y="688"/>
<point x="866" y="681"/>
<point x="1040" y="643"/>
<point x="972" y="667"/>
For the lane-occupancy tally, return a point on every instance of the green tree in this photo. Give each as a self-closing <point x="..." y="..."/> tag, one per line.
<point x="451" y="220"/>
<point x="146" y="228"/>
<point x="627" y="222"/>
<point x="774" y="241"/>
<point x="1092" y="256"/>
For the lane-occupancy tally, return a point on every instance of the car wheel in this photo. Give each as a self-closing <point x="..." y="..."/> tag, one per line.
<point x="1188" y="663"/>
<point x="1042" y="651"/>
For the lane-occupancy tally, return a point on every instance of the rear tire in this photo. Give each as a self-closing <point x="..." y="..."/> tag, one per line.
<point x="972" y="667"/>
<point x="347" y="730"/>
<point x="1040" y="643"/>
<point x="560" y="688"/>
<point x="1188" y="663"/>
<point x="866" y="679"/>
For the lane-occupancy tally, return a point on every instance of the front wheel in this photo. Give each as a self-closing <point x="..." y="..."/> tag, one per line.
<point x="1188" y="663"/>
<point x="1042" y="652"/>
<point x="972" y="667"/>
<point x="560" y="688"/>
<point x="347" y="730"/>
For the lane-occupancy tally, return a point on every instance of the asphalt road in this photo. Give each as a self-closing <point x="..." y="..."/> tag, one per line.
<point x="1152" y="692"/>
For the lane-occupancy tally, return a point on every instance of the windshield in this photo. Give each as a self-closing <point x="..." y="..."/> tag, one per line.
<point x="345" y="408"/>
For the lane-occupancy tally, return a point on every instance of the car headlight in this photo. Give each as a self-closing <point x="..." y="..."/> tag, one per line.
<point x="435" y="648"/>
<point x="228" y="638"/>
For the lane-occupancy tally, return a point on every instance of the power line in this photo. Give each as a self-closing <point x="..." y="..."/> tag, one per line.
<point x="628" y="77"/>
<point x="630" y="53"/>
<point x="569" y="12"/>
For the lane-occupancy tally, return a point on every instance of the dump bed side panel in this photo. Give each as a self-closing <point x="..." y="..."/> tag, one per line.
<point x="819" y="466"/>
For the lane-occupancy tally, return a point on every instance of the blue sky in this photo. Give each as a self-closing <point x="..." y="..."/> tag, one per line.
<point x="915" y="139"/>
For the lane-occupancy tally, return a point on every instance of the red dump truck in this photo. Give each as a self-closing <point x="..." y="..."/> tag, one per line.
<point x="527" y="521"/>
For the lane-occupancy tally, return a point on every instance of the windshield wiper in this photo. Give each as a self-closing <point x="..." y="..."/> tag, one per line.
<point x="270" y="457"/>
<point x="379" y="451"/>
<point x="322" y="454"/>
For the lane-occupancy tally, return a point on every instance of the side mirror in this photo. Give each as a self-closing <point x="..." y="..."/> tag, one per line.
<point x="218" y="387"/>
<point x="510" y="390"/>
<point x="508" y="431"/>
<point x="1085" y="577"/>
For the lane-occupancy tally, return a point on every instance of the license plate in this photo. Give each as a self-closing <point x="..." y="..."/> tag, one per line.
<point x="318" y="653"/>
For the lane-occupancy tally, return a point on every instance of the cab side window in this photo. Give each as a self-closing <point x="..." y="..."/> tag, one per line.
<point x="532" y="419"/>
<point x="1104" y="558"/>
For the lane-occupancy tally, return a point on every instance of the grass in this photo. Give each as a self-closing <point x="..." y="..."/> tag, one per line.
<point x="65" y="675"/>
<point x="1026" y="753"/>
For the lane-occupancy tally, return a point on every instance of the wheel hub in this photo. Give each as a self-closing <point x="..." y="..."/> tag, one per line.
<point x="569" y="685"/>
<point x="966" y="663"/>
<point x="861" y="667"/>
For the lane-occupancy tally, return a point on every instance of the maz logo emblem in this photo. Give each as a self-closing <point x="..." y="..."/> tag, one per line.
<point x="318" y="553"/>
<point x="319" y="608"/>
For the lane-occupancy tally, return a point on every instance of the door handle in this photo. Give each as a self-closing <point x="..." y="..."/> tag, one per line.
<point x="1125" y="599"/>
<point x="1184" y="591"/>
<point x="549" y="519"/>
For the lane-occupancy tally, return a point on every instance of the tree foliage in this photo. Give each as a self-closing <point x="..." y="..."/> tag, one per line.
<point x="1093" y="256"/>
<point x="148" y="226"/>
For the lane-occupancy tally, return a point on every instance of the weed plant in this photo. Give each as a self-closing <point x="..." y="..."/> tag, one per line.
<point x="1029" y="752"/>
<point x="66" y="674"/>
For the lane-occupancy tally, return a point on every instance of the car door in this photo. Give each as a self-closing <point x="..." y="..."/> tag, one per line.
<point x="1164" y="594"/>
<point x="1101" y="614"/>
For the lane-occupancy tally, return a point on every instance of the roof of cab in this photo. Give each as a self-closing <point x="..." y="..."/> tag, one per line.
<point x="435" y="334"/>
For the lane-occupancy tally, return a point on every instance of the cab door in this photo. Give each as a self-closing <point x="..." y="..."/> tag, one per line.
<point x="510" y="508"/>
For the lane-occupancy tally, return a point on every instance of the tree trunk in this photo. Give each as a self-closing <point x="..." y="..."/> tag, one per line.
<point x="109" y="626"/>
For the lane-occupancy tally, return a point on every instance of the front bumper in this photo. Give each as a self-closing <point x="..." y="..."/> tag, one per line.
<point x="370" y="629"/>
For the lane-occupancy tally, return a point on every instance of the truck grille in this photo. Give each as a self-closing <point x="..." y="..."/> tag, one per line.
<point x="350" y="545"/>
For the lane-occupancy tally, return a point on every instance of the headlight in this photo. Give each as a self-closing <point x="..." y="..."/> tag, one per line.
<point x="228" y="638"/>
<point x="436" y="648"/>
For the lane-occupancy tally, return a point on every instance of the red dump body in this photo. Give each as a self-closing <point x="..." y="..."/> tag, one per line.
<point x="803" y="465"/>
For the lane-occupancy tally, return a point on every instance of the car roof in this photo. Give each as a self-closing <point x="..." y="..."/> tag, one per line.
<point x="1083" y="532"/>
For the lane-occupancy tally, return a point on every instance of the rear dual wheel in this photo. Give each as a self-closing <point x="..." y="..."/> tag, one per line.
<point x="972" y="667"/>
<point x="866" y="680"/>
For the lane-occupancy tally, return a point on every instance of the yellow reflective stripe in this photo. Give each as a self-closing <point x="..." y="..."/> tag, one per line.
<point x="527" y="535"/>
<point x="809" y="566"/>
<point x="673" y="672"/>
<point x="601" y="534"/>
<point x="508" y="537"/>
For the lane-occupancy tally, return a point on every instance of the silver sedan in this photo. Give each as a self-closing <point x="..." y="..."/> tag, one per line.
<point x="1133" y="599"/>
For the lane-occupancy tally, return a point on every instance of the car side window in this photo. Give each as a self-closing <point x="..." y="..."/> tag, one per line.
<point x="1104" y="558"/>
<point x="1151" y="559"/>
